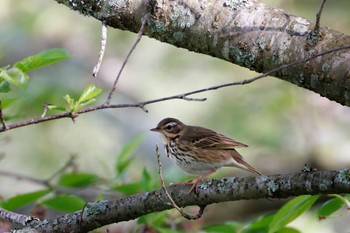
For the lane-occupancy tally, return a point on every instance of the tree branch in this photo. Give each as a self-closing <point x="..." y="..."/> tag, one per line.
<point x="247" y="33"/>
<point x="100" y="213"/>
<point x="183" y="96"/>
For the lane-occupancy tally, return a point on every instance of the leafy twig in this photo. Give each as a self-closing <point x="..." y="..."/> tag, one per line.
<point x="138" y="38"/>
<point x="183" y="96"/>
<point x="181" y="211"/>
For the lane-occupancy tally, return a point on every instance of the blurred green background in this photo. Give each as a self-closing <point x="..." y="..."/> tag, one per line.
<point x="284" y="126"/>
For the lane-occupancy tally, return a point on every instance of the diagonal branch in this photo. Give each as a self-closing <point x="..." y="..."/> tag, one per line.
<point x="100" y="213"/>
<point x="183" y="96"/>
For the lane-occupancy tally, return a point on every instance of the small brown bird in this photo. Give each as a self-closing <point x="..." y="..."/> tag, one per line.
<point x="199" y="151"/>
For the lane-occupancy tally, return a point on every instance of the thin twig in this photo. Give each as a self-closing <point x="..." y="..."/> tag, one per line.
<point x="180" y="96"/>
<point x="2" y="118"/>
<point x="46" y="107"/>
<point x="22" y="177"/>
<point x="181" y="211"/>
<point x="138" y="38"/>
<point x="102" y="49"/>
<point x="314" y="35"/>
<point x="318" y="18"/>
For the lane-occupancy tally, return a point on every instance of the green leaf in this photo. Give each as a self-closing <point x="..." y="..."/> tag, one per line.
<point x="330" y="206"/>
<point x="7" y="102"/>
<point x="71" y="103"/>
<point x="90" y="92"/>
<point x="66" y="203"/>
<point x="124" y="158"/>
<point x="227" y="227"/>
<point x="291" y="210"/>
<point x="260" y="225"/>
<point x="58" y="108"/>
<point x="42" y="59"/>
<point x="77" y="179"/>
<point x="288" y="230"/>
<point x="4" y="86"/>
<point x="15" y="77"/>
<point x="23" y="199"/>
<point x="128" y="189"/>
<point x="79" y="106"/>
<point x="145" y="180"/>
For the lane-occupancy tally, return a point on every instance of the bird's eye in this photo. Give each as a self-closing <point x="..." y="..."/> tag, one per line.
<point x="169" y="127"/>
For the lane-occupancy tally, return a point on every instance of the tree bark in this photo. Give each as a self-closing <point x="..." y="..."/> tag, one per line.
<point x="247" y="33"/>
<point x="100" y="213"/>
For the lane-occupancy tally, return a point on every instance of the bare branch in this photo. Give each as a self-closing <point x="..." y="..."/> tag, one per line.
<point x="210" y="191"/>
<point x="138" y="38"/>
<point x="102" y="49"/>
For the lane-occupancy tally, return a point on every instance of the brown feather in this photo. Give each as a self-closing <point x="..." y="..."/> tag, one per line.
<point x="203" y="138"/>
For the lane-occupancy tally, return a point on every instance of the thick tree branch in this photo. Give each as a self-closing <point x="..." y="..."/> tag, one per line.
<point x="246" y="33"/>
<point x="100" y="213"/>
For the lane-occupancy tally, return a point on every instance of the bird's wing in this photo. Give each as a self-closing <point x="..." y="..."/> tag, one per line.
<point x="207" y="139"/>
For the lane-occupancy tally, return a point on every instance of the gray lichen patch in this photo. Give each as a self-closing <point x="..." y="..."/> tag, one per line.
<point x="343" y="177"/>
<point x="272" y="187"/>
<point x="181" y="16"/>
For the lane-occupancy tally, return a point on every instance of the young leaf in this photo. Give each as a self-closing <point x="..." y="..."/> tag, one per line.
<point x="77" y="179"/>
<point x="58" y="108"/>
<point x="330" y="206"/>
<point x="15" y="77"/>
<point x="23" y="199"/>
<point x="90" y="92"/>
<point x="71" y="103"/>
<point x="66" y="203"/>
<point x="42" y="59"/>
<point x="124" y="158"/>
<point x="4" y="86"/>
<point x="291" y="210"/>
<point x="7" y="102"/>
<point x="79" y="106"/>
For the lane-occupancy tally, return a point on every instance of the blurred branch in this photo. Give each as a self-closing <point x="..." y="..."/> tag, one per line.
<point x="183" y="96"/>
<point x="100" y="213"/>
<point x="246" y="33"/>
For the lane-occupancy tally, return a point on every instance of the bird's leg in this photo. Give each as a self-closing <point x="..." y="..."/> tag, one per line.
<point x="199" y="179"/>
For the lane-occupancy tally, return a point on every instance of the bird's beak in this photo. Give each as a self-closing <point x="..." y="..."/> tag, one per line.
<point x="155" y="129"/>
